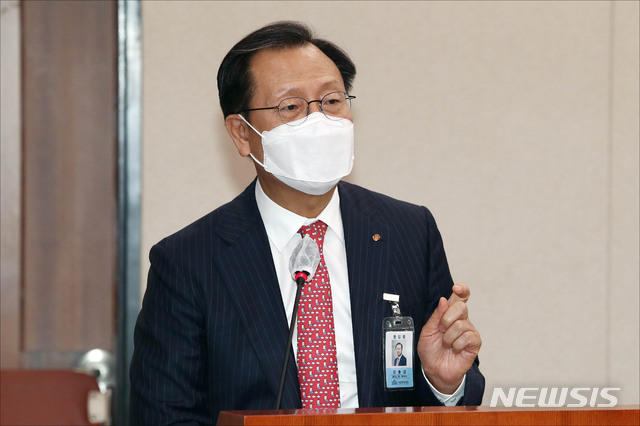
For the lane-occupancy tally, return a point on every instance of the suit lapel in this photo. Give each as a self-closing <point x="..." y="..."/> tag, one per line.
<point x="367" y="245"/>
<point x="248" y="271"/>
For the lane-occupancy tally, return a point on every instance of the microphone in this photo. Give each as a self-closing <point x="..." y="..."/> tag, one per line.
<point x="303" y="264"/>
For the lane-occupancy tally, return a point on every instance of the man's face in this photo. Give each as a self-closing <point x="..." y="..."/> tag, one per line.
<point x="303" y="71"/>
<point x="398" y="349"/>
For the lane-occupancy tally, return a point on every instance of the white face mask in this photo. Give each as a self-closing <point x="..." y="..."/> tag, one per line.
<point x="311" y="157"/>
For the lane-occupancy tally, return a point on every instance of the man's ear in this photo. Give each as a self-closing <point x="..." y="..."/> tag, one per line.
<point x="238" y="130"/>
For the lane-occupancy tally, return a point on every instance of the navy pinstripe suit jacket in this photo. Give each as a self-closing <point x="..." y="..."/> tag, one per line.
<point x="212" y="330"/>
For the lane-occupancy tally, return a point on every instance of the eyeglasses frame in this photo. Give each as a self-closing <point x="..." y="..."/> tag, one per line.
<point x="348" y="97"/>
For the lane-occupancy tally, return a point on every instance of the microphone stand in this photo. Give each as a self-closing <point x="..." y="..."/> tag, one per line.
<point x="300" y="280"/>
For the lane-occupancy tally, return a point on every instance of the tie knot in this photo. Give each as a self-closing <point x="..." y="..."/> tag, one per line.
<point x="316" y="231"/>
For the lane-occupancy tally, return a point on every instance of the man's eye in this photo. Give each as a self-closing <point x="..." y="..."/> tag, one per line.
<point x="291" y="108"/>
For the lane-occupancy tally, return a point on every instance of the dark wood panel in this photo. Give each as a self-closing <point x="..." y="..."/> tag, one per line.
<point x="622" y="415"/>
<point x="70" y="189"/>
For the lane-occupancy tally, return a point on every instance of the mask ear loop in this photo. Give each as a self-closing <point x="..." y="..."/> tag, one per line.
<point x="249" y="124"/>
<point x="259" y="134"/>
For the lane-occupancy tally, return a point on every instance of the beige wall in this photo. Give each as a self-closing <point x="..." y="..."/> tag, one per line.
<point x="515" y="122"/>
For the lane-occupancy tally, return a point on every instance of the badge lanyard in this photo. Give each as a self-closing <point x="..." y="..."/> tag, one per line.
<point x="397" y="335"/>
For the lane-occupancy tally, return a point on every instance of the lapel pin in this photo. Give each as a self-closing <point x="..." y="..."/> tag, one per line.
<point x="376" y="237"/>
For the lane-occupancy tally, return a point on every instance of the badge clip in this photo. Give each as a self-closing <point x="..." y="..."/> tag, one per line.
<point x="394" y="301"/>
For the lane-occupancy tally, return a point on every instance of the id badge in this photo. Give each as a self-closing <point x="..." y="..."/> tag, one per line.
<point x="397" y="332"/>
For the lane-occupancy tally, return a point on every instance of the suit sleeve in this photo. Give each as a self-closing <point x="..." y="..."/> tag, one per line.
<point x="474" y="386"/>
<point x="168" y="370"/>
<point x="439" y="285"/>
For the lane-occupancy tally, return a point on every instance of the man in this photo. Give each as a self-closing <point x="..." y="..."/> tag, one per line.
<point x="400" y="359"/>
<point x="213" y="328"/>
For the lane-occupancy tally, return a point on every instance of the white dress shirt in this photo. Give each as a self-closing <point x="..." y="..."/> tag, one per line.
<point x="282" y="228"/>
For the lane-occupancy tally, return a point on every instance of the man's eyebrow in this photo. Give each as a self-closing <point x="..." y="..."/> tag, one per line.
<point x="295" y="90"/>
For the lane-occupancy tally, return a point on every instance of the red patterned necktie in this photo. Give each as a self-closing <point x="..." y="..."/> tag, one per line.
<point x="317" y="361"/>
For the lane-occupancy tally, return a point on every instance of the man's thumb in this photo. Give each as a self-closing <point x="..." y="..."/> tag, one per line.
<point x="433" y="325"/>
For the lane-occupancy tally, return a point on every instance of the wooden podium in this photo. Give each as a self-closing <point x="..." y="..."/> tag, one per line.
<point x="622" y="415"/>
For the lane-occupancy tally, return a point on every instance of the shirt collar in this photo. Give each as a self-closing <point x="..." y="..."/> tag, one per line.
<point x="282" y="225"/>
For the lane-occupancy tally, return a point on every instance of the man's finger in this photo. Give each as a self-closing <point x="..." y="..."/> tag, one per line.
<point x="456" y="330"/>
<point x="460" y="293"/>
<point x="469" y="341"/>
<point x="457" y="312"/>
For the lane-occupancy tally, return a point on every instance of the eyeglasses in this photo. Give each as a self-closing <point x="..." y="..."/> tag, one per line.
<point x="334" y="105"/>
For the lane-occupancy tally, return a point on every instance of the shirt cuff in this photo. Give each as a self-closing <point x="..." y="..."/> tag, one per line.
<point x="448" y="400"/>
